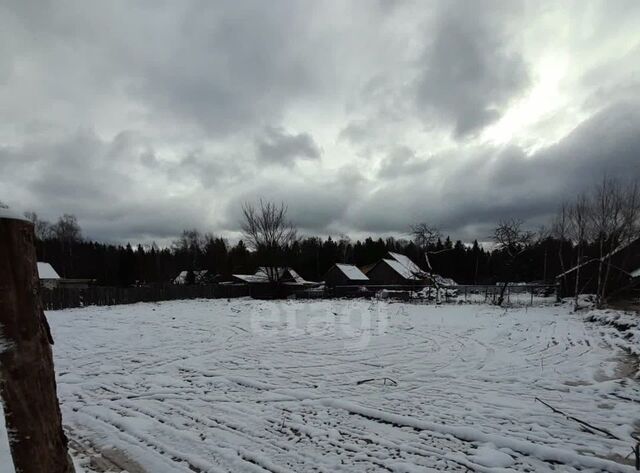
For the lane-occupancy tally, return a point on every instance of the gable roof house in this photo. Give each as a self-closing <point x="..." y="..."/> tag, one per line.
<point x="265" y="274"/>
<point x="49" y="278"/>
<point x="397" y="270"/>
<point x="345" y="275"/>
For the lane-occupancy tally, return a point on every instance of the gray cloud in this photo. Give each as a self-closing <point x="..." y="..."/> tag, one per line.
<point x="275" y="145"/>
<point x="144" y="118"/>
<point x="468" y="74"/>
<point x="316" y="205"/>
<point x="493" y="183"/>
<point x="402" y="161"/>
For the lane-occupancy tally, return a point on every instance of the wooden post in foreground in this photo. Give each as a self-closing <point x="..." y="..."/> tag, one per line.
<point x="27" y="379"/>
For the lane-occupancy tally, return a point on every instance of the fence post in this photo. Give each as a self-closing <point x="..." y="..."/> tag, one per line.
<point x="27" y="378"/>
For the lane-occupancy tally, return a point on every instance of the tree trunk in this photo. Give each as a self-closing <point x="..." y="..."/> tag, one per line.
<point x="576" y="305"/>
<point x="27" y="379"/>
<point x="502" y="291"/>
<point x="600" y="265"/>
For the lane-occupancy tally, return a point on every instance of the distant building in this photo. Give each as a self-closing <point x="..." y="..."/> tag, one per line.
<point x="345" y="275"/>
<point x="397" y="270"/>
<point x="49" y="278"/>
<point x="265" y="275"/>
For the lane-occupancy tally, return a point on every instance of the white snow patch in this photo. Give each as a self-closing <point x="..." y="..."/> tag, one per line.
<point x="352" y="272"/>
<point x="46" y="271"/>
<point x="6" y="463"/>
<point x="245" y="385"/>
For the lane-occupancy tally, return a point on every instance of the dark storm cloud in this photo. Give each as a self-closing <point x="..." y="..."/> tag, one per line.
<point x="175" y="102"/>
<point x="230" y="65"/>
<point x="316" y="205"/>
<point x="402" y="161"/>
<point x="468" y="74"/>
<point x="488" y="184"/>
<point x="275" y="145"/>
<point x="96" y="180"/>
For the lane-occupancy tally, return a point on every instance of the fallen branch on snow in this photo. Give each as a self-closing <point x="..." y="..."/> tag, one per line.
<point x="581" y="422"/>
<point x="384" y="380"/>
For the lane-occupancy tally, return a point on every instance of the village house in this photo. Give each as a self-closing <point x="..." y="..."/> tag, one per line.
<point x="397" y="270"/>
<point x="345" y="275"/>
<point x="264" y="275"/>
<point x="50" y="279"/>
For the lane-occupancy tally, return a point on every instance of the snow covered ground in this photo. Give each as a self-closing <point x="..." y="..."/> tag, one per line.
<point x="6" y="465"/>
<point x="354" y="385"/>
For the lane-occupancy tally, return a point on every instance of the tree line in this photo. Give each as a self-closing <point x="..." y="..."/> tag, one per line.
<point x="588" y="228"/>
<point x="62" y="244"/>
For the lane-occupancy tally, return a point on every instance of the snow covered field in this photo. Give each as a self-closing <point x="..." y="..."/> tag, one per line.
<point x="355" y="385"/>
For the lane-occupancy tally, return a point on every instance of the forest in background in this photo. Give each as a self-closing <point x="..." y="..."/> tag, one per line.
<point x="587" y="228"/>
<point x="74" y="257"/>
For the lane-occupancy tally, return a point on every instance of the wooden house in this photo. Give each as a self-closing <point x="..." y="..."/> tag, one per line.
<point x="345" y="275"/>
<point x="397" y="270"/>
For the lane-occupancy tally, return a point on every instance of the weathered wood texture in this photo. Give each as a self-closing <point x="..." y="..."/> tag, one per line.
<point x="27" y="379"/>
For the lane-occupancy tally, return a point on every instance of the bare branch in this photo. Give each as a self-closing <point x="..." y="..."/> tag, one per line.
<point x="268" y="231"/>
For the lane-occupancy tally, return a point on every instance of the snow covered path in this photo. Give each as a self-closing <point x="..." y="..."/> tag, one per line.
<point x="244" y="385"/>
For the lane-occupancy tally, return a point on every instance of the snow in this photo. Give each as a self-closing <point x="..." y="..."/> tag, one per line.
<point x="411" y="270"/>
<point x="401" y="269"/>
<point x="199" y="276"/>
<point x="8" y="213"/>
<point x="245" y="385"/>
<point x="262" y="276"/>
<point x="627" y="325"/>
<point x="297" y="278"/>
<point x="352" y="272"/>
<point x="46" y="271"/>
<point x="6" y="464"/>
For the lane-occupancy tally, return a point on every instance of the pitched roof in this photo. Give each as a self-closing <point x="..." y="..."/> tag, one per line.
<point x="252" y="278"/>
<point x="286" y="275"/>
<point x="352" y="272"/>
<point x="46" y="271"/>
<point x="400" y="269"/>
<point x="404" y="266"/>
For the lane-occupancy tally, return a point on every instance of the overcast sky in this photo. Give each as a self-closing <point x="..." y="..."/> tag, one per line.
<point x="144" y="118"/>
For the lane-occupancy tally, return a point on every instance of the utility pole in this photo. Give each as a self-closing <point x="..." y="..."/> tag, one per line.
<point x="27" y="378"/>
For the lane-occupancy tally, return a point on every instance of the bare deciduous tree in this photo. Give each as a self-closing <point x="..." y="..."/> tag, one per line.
<point x="511" y="238"/>
<point x="613" y="216"/>
<point x="578" y="231"/>
<point x="41" y="227"/>
<point x="425" y="237"/>
<point x="560" y="231"/>
<point x="267" y="231"/>
<point x="67" y="230"/>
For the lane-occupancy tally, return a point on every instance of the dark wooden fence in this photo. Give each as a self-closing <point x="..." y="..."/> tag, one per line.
<point x="65" y="298"/>
<point x="514" y="295"/>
